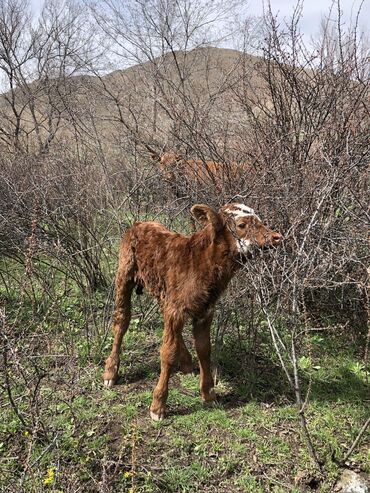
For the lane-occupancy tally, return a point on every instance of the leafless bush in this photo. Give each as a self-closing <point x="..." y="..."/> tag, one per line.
<point x="308" y="138"/>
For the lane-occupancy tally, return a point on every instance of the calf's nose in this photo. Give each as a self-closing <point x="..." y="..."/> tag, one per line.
<point x="276" y="238"/>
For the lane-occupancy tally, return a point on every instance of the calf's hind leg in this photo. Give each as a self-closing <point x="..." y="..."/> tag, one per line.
<point x="122" y="313"/>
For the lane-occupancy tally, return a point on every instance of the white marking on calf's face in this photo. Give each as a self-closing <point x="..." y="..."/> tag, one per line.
<point x="244" y="208"/>
<point x="241" y="210"/>
<point x="244" y="246"/>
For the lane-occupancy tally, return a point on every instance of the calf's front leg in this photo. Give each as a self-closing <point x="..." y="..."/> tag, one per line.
<point x="185" y="359"/>
<point x="170" y="353"/>
<point x="202" y="343"/>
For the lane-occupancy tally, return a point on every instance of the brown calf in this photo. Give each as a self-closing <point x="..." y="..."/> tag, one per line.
<point x="187" y="274"/>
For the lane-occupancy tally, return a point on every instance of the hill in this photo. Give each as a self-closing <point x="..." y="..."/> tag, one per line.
<point x="149" y="101"/>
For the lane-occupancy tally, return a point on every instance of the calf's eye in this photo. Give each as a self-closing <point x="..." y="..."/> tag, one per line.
<point x="241" y="225"/>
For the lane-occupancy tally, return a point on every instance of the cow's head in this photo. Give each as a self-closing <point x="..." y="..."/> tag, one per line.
<point x="170" y="159"/>
<point x="248" y="230"/>
<point x="169" y="163"/>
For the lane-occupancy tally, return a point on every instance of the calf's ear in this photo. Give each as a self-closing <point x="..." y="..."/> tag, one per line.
<point x="206" y="215"/>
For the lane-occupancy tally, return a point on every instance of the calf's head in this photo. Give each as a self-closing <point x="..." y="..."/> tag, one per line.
<point x="247" y="229"/>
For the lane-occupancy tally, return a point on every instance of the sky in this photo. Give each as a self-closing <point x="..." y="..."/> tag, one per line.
<point x="313" y="11"/>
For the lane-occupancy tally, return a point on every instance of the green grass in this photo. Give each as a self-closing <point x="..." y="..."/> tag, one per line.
<point x="80" y="435"/>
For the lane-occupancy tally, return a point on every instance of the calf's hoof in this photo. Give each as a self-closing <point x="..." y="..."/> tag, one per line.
<point x="110" y="377"/>
<point x="155" y="416"/>
<point x="109" y="382"/>
<point x="157" y="410"/>
<point x="209" y="399"/>
<point x="210" y="404"/>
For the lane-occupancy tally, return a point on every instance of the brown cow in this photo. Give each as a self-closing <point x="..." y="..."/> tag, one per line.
<point x="187" y="274"/>
<point x="204" y="173"/>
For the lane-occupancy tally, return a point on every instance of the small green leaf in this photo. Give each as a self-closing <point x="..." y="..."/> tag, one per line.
<point x="304" y="363"/>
